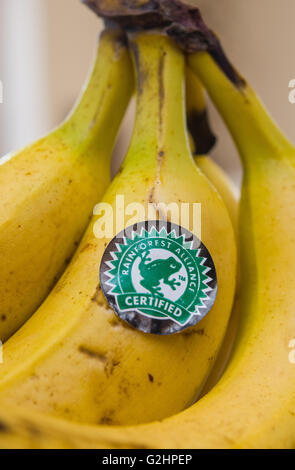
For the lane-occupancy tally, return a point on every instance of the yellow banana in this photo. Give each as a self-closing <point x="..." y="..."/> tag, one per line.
<point x="226" y="189"/>
<point x="202" y="140"/>
<point x="49" y="189"/>
<point x="221" y="181"/>
<point x="226" y="349"/>
<point x="75" y="358"/>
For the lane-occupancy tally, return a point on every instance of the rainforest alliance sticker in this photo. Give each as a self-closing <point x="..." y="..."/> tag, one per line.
<point x="158" y="277"/>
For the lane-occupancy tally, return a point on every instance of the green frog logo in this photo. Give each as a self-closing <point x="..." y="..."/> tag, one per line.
<point x="155" y="271"/>
<point x="158" y="277"/>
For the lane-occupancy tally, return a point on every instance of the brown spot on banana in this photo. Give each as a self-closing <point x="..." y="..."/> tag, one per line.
<point x="151" y="378"/>
<point x="93" y="354"/>
<point x="4" y="428"/>
<point x="110" y="366"/>
<point x="189" y="333"/>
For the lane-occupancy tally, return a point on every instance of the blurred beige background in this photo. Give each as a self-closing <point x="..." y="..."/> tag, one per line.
<point x="47" y="47"/>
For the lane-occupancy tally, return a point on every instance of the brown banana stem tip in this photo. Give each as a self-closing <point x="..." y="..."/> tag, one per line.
<point x="200" y="130"/>
<point x="179" y="19"/>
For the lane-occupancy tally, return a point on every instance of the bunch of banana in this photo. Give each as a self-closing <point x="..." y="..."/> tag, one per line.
<point x="75" y="358"/>
<point x="48" y="190"/>
<point x="253" y="404"/>
<point x="76" y="370"/>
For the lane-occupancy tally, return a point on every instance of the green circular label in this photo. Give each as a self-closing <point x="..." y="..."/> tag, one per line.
<point x="158" y="277"/>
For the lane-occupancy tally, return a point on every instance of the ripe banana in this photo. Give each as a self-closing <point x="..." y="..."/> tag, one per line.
<point x="49" y="189"/>
<point x="226" y="349"/>
<point x="202" y="140"/>
<point x="75" y="358"/>
<point x="221" y="181"/>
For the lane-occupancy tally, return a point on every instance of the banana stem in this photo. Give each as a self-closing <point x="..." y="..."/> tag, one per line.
<point x="106" y="95"/>
<point x="160" y="74"/>
<point x="252" y="128"/>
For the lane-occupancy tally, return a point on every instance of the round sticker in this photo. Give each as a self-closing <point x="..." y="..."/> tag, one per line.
<point x="158" y="277"/>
